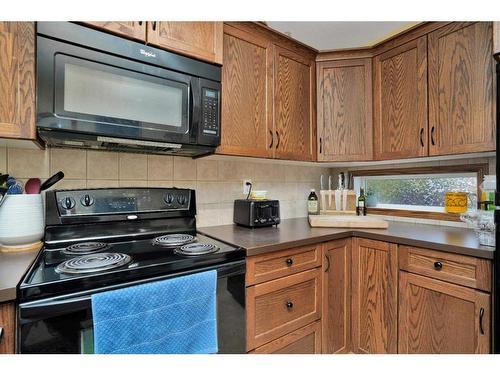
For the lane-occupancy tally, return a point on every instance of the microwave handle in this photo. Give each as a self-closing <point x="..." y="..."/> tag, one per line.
<point x="195" y="97"/>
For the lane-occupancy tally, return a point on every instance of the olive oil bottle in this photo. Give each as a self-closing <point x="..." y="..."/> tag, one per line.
<point x="361" y="208"/>
<point x="312" y="203"/>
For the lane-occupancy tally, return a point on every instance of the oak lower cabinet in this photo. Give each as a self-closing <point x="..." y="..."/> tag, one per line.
<point x="336" y="315"/>
<point x="374" y="303"/>
<point x="7" y="327"/>
<point x="440" y="317"/>
<point x="129" y="29"/>
<point x="400" y="101"/>
<point x="17" y="80"/>
<point x="461" y="88"/>
<point x="202" y="40"/>
<point x="496" y="37"/>
<point x="305" y="340"/>
<point x="247" y="84"/>
<point x="294" y="105"/>
<point x="344" y="110"/>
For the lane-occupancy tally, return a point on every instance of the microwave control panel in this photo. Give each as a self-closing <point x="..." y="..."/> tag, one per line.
<point x="210" y="111"/>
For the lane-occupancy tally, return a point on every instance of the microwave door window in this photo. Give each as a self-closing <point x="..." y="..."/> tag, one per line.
<point x="100" y="93"/>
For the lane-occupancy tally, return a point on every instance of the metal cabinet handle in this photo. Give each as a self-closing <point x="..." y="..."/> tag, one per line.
<point x="422" y="137"/>
<point x="432" y="136"/>
<point x="153" y="26"/>
<point x="1" y="333"/>
<point x="438" y="265"/>
<point x="289" y="305"/>
<point x="278" y="137"/>
<point x="327" y="263"/>
<point x="289" y="262"/>
<point x="320" y="145"/>
<point x="481" y="315"/>
<point x="140" y="23"/>
<point x="272" y="138"/>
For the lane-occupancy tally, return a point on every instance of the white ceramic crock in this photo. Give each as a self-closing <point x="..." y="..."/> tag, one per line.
<point x="22" y="219"/>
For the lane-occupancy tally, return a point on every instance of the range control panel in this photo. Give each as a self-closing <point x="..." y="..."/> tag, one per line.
<point x="121" y="201"/>
<point x="210" y="111"/>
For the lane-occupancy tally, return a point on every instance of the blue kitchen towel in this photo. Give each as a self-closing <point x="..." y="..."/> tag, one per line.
<point x="174" y="316"/>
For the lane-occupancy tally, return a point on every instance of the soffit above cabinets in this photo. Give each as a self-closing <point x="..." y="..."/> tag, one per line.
<point x="340" y="34"/>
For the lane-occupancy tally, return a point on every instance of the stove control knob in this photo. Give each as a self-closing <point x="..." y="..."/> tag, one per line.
<point x="181" y="199"/>
<point x="68" y="203"/>
<point x="87" y="200"/>
<point x="169" y="198"/>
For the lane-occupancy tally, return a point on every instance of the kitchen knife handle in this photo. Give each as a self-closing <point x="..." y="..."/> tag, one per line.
<point x="481" y="315"/>
<point x="278" y="137"/>
<point x="422" y="137"/>
<point x="327" y="263"/>
<point x="272" y="138"/>
<point x="432" y="136"/>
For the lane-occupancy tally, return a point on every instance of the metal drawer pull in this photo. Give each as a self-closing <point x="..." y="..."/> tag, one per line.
<point x="272" y="139"/>
<point x="327" y="263"/>
<point x="289" y="305"/>
<point x="289" y="262"/>
<point x="481" y="315"/>
<point x="438" y="265"/>
<point x="1" y="333"/>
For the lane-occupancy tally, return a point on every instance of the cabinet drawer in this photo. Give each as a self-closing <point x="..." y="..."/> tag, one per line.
<point x="458" y="269"/>
<point x="271" y="266"/>
<point x="306" y="340"/>
<point x="281" y="306"/>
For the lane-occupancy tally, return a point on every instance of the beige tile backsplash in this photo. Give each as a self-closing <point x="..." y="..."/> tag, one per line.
<point x="217" y="180"/>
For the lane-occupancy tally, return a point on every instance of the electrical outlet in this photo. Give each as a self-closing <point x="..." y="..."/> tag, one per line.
<point x="246" y="188"/>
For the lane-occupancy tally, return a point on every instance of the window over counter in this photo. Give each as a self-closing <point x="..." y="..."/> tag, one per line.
<point x="419" y="192"/>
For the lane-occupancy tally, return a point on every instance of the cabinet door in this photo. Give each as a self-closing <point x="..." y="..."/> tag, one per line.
<point x="305" y="340"/>
<point x="400" y="101"/>
<point x="293" y="105"/>
<point x="461" y="89"/>
<point x="130" y="29"/>
<point x="439" y="317"/>
<point x="17" y="80"/>
<point x="202" y="40"/>
<point x="247" y="127"/>
<point x="345" y="110"/>
<point x="7" y="325"/>
<point x="496" y="37"/>
<point x="336" y="323"/>
<point x="374" y="296"/>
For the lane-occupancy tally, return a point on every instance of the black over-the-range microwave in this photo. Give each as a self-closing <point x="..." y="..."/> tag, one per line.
<point x="96" y="90"/>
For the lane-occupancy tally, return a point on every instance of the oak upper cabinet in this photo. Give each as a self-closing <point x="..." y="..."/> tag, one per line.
<point x="439" y="317"/>
<point x="344" y="110"/>
<point x="374" y="296"/>
<point x="294" y="85"/>
<point x="7" y="326"/>
<point x="130" y="29"/>
<point x="400" y="101"/>
<point x="202" y="40"/>
<point x="247" y="95"/>
<point x="461" y="89"/>
<point x="336" y="332"/>
<point x="17" y="80"/>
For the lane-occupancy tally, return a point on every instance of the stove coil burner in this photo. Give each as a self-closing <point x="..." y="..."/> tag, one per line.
<point x="197" y="248"/>
<point x="84" y="248"/>
<point x="173" y="240"/>
<point x="93" y="263"/>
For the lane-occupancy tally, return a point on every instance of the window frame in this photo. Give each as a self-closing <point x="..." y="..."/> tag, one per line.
<point x="480" y="170"/>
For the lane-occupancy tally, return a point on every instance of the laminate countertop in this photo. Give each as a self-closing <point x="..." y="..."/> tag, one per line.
<point x="298" y="232"/>
<point x="13" y="266"/>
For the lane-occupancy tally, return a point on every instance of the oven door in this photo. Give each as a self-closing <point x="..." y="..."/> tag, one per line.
<point x="85" y="91"/>
<point x="64" y="324"/>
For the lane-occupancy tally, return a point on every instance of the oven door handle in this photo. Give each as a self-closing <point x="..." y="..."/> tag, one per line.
<point x="60" y="306"/>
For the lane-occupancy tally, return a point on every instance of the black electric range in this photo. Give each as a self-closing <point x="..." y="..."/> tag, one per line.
<point x="102" y="239"/>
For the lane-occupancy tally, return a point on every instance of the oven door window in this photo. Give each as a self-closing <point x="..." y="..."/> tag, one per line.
<point x="95" y="92"/>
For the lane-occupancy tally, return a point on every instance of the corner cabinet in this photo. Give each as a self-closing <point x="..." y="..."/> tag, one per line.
<point x="17" y="80"/>
<point x="440" y="317"/>
<point x="461" y="89"/>
<point x="374" y="296"/>
<point x="344" y="110"/>
<point x="202" y="40"/>
<point x="247" y="95"/>
<point x="400" y="101"/>
<point x="294" y="85"/>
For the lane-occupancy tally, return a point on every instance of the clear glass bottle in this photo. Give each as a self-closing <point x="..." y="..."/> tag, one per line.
<point x="361" y="208"/>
